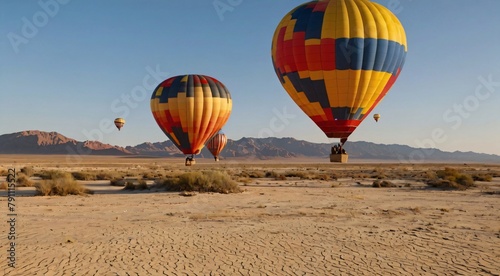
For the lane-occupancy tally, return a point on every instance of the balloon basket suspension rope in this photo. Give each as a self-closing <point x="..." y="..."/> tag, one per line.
<point x="338" y="154"/>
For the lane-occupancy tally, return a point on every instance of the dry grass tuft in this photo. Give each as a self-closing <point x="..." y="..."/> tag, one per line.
<point x="450" y="178"/>
<point x="24" y="181"/>
<point x="61" y="184"/>
<point x="482" y="177"/>
<point x="28" y="171"/>
<point x="202" y="181"/>
<point x="141" y="185"/>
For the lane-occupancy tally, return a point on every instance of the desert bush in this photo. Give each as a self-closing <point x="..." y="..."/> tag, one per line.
<point x="299" y="174"/>
<point x="3" y="172"/>
<point x="51" y="174"/>
<point x="148" y="175"/>
<point x="142" y="185"/>
<point x="244" y="180"/>
<point x="482" y="177"/>
<point x="129" y="186"/>
<point x="272" y="174"/>
<point x="61" y="184"/>
<point x="108" y="175"/>
<point x="3" y="185"/>
<point x="117" y="182"/>
<point x="24" y="181"/>
<point x="252" y="174"/>
<point x="83" y="176"/>
<point x="206" y="181"/>
<point x="383" y="184"/>
<point x="450" y="178"/>
<point x="28" y="171"/>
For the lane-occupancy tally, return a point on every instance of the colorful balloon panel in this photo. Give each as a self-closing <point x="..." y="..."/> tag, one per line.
<point x="190" y="109"/>
<point x="337" y="59"/>
<point x="216" y="144"/>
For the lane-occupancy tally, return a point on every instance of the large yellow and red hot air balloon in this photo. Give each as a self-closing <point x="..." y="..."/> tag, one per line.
<point x="190" y="109"/>
<point x="216" y="144"/>
<point x="337" y="59"/>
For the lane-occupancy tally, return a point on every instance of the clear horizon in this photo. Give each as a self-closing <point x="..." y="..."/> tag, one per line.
<point x="73" y="66"/>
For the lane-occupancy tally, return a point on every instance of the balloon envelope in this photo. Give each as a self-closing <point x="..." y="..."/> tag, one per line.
<point x="216" y="144"/>
<point x="190" y="109"/>
<point x="337" y="59"/>
<point x="376" y="117"/>
<point x="119" y="123"/>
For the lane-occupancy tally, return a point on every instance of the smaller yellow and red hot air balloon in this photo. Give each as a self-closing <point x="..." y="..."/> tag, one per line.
<point x="376" y="117"/>
<point x="216" y="144"/>
<point x="119" y="123"/>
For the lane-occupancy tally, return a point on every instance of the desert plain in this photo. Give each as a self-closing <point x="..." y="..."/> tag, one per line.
<point x="293" y="217"/>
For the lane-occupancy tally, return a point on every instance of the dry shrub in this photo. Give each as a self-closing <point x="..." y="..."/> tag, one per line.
<point x="252" y="174"/>
<point x="107" y="176"/>
<point x="51" y="174"/>
<point x="24" y="181"/>
<point x="28" y="171"/>
<point x="3" y="186"/>
<point x="117" y="182"/>
<point x="383" y="184"/>
<point x="3" y="172"/>
<point x="61" y="184"/>
<point x="206" y="181"/>
<point x="244" y="180"/>
<point x="450" y="178"/>
<point x="142" y="185"/>
<point x="482" y="177"/>
<point x="272" y="174"/>
<point x="299" y="174"/>
<point x="321" y="176"/>
<point x="83" y="176"/>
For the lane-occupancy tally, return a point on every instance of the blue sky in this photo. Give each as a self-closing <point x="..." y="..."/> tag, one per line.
<point x="72" y="66"/>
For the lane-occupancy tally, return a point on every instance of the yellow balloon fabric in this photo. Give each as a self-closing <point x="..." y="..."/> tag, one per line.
<point x="190" y="109"/>
<point x="337" y="59"/>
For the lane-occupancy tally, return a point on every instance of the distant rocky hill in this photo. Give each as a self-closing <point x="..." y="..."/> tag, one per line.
<point x="39" y="142"/>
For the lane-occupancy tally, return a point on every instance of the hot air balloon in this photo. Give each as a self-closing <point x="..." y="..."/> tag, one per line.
<point x="337" y="59"/>
<point x="376" y="117"/>
<point x="190" y="109"/>
<point x="216" y="143"/>
<point x="119" y="123"/>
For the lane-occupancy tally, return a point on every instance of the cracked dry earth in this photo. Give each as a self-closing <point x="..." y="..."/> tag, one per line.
<point x="266" y="230"/>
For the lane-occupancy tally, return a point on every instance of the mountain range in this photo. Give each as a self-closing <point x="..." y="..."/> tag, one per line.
<point x="40" y="142"/>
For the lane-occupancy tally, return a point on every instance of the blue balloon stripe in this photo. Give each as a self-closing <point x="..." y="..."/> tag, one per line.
<point x="368" y="54"/>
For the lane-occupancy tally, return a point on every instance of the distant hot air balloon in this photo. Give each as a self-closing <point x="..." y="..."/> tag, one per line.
<point x="190" y="109"/>
<point x="119" y="123"/>
<point x="337" y="59"/>
<point x="376" y="117"/>
<point x="216" y="144"/>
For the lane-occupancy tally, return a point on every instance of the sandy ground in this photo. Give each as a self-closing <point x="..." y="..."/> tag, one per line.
<point x="298" y="227"/>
